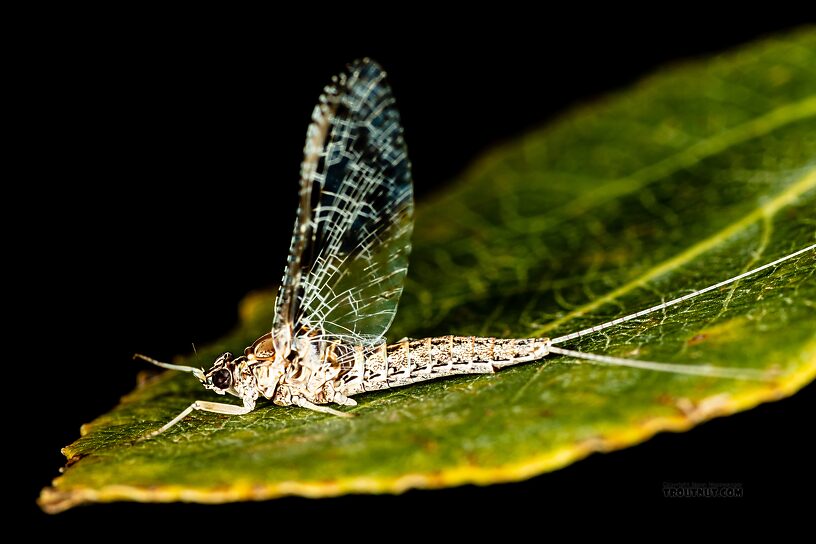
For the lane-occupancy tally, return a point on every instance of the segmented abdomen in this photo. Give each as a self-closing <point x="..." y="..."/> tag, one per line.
<point x="411" y="361"/>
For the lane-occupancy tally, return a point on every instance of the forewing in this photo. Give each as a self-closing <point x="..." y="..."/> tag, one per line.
<point x="349" y="252"/>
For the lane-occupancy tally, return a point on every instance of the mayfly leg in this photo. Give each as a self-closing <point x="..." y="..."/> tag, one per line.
<point x="204" y="406"/>
<point x="303" y="403"/>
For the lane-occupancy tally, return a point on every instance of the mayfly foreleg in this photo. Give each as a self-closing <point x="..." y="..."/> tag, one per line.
<point x="204" y="406"/>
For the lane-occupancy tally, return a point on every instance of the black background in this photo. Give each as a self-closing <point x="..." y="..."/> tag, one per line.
<point x="160" y="163"/>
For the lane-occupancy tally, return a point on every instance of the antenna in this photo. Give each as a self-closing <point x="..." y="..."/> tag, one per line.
<point x="197" y="372"/>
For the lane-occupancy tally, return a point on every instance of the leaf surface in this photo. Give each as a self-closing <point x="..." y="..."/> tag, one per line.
<point x="696" y="174"/>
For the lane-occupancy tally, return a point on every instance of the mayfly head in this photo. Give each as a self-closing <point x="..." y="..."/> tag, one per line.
<point x="221" y="376"/>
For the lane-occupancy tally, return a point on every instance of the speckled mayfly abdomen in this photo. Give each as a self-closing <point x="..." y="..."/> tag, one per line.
<point x="412" y="361"/>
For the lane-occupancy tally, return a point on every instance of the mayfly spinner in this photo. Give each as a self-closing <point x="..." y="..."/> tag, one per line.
<point x="344" y="276"/>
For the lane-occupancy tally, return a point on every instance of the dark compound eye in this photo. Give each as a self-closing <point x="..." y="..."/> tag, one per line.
<point x="222" y="378"/>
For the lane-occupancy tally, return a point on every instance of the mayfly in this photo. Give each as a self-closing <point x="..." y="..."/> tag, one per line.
<point x="344" y="275"/>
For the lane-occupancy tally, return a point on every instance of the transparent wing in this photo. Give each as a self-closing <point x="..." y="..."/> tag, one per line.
<point x="349" y="252"/>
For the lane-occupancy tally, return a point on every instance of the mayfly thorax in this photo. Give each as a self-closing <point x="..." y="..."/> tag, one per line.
<point x="343" y="279"/>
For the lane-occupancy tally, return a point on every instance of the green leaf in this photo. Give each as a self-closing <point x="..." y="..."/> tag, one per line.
<point x="694" y="175"/>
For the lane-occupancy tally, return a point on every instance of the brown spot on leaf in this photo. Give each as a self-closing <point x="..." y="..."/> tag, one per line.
<point x="665" y="399"/>
<point x="697" y="339"/>
<point x="472" y="459"/>
<point x="685" y="406"/>
<point x="73" y="459"/>
<point x="593" y="443"/>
